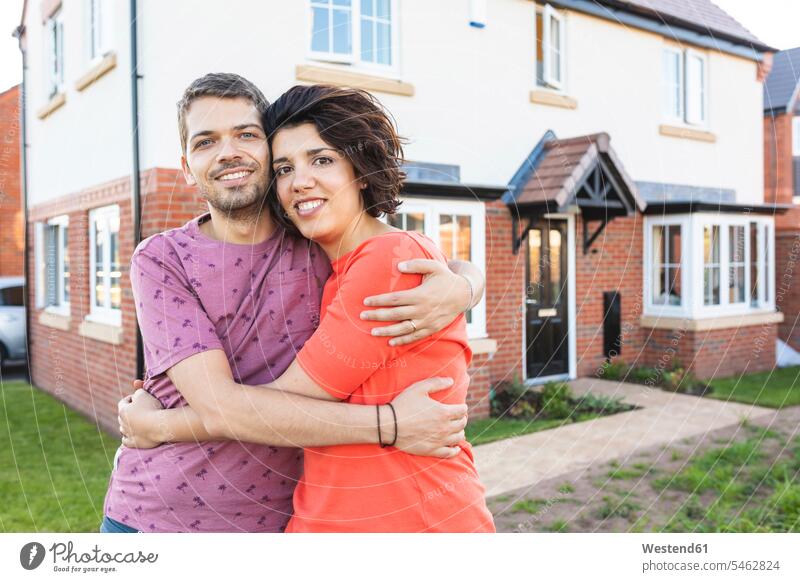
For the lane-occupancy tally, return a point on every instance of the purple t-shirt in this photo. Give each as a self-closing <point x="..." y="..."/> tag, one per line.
<point x="259" y="303"/>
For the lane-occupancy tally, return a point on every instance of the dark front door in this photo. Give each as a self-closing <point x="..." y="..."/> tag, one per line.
<point x="546" y="314"/>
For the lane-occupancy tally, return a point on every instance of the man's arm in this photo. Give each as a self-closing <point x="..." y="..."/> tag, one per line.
<point x="444" y="294"/>
<point x="293" y="415"/>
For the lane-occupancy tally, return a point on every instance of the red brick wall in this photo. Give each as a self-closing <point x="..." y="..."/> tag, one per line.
<point x="88" y="374"/>
<point x="11" y="211"/>
<point x="505" y="286"/>
<point x="716" y="353"/>
<point x="614" y="263"/>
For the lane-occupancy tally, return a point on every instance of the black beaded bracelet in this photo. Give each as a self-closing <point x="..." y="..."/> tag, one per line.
<point x="378" y="414"/>
<point x="394" y="414"/>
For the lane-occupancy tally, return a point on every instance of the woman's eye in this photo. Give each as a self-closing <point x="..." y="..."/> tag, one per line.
<point x="323" y="161"/>
<point x="282" y="170"/>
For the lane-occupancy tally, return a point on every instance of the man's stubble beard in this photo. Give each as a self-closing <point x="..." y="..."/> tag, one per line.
<point x="240" y="206"/>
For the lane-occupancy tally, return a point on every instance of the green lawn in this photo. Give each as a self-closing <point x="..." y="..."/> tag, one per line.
<point x="486" y="430"/>
<point x="54" y="464"/>
<point x="775" y="389"/>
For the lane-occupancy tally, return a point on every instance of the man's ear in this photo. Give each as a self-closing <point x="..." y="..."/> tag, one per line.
<point x="187" y="173"/>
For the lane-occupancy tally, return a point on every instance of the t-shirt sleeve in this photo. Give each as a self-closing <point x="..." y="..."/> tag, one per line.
<point x="172" y="319"/>
<point x="342" y="353"/>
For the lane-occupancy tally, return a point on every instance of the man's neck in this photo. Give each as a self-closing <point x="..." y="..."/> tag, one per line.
<point x="247" y="229"/>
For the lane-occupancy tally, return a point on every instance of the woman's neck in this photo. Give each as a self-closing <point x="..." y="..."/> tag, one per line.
<point x="364" y="228"/>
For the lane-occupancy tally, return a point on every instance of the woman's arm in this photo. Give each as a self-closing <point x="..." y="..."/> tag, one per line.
<point x="446" y="292"/>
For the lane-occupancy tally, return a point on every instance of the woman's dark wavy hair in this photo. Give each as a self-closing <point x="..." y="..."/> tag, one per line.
<point x="353" y="122"/>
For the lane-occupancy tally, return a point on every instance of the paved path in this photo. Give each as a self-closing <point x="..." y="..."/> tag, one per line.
<point x="664" y="417"/>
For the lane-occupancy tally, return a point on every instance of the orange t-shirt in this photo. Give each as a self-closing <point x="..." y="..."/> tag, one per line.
<point x="365" y="488"/>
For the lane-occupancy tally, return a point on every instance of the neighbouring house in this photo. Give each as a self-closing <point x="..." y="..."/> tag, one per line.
<point x="782" y="182"/>
<point x="586" y="154"/>
<point x="12" y="239"/>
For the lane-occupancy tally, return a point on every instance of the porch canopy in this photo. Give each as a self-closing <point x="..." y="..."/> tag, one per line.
<point x="561" y="175"/>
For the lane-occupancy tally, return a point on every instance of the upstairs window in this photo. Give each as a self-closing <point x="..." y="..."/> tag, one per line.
<point x="54" y="55"/>
<point x="549" y="48"/>
<point x="354" y="31"/>
<point x="685" y="81"/>
<point x="99" y="28"/>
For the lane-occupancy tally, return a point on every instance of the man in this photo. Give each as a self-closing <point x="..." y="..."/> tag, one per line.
<point x="224" y="303"/>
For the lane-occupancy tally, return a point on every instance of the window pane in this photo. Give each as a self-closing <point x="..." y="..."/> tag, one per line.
<point x="711" y="267"/>
<point x="367" y="7"/>
<point x="765" y="257"/>
<point x="446" y="235"/>
<point x="736" y="264"/>
<point x="695" y="87"/>
<point x="320" y="33"/>
<point x="384" y="43"/>
<point x="341" y="3"/>
<point x="100" y="233"/>
<point x="658" y="295"/>
<point x="672" y="83"/>
<point x="342" y="43"/>
<point x="367" y="41"/>
<point x="114" y="267"/>
<point x="754" y="254"/>
<point x="415" y="221"/>
<point x="464" y="238"/>
<point x="555" y="52"/>
<point x="539" y="48"/>
<point x="65" y="263"/>
<point x="12" y="296"/>
<point x="535" y="265"/>
<point x="383" y="8"/>
<point x="555" y="264"/>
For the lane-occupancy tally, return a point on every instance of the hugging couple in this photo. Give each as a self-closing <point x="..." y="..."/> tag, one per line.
<point x="273" y="400"/>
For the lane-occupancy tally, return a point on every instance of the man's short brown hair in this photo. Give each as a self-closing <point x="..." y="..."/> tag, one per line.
<point x="222" y="85"/>
<point x="353" y="122"/>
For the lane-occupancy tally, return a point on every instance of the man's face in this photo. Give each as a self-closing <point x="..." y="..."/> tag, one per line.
<point x="226" y="152"/>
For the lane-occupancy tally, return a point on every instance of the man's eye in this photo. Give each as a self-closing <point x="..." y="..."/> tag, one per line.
<point x="202" y="143"/>
<point x="249" y="134"/>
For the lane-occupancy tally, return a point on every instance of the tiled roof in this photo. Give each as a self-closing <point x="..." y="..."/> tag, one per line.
<point x="781" y="87"/>
<point x="561" y="167"/>
<point x="702" y="14"/>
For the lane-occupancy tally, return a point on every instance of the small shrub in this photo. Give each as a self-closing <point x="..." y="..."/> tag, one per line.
<point x="555" y="400"/>
<point x="613" y="370"/>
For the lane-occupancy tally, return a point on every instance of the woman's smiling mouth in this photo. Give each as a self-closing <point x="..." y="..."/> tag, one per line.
<point x="308" y="207"/>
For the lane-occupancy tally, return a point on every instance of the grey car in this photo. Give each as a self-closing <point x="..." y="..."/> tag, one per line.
<point x="12" y="319"/>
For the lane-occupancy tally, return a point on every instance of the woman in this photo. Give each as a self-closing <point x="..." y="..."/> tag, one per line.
<point x="336" y="161"/>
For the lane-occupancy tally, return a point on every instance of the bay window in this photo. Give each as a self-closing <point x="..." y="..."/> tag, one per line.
<point x="458" y="228"/>
<point x="708" y="265"/>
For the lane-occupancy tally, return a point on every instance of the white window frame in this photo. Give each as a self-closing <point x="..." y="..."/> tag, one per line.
<point x="692" y="263"/>
<point x="796" y="136"/>
<point x="687" y="115"/>
<point x="354" y="58"/>
<point x="62" y="305"/>
<point x="54" y="55"/>
<point x="105" y="314"/>
<point x="432" y="209"/>
<point x="98" y="29"/>
<point x="650" y="262"/>
<point x="667" y="85"/>
<point x="550" y="15"/>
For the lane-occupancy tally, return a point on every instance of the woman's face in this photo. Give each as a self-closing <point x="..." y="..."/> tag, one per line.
<point x="316" y="184"/>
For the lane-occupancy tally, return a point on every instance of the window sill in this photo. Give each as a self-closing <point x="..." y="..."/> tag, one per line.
<point x="102" y="332"/>
<point x="352" y="79"/>
<point x="687" y="133"/>
<point x="55" y="320"/>
<point x="711" y="323"/>
<point x="543" y="97"/>
<point x="482" y="346"/>
<point x="103" y="66"/>
<point x="56" y="101"/>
